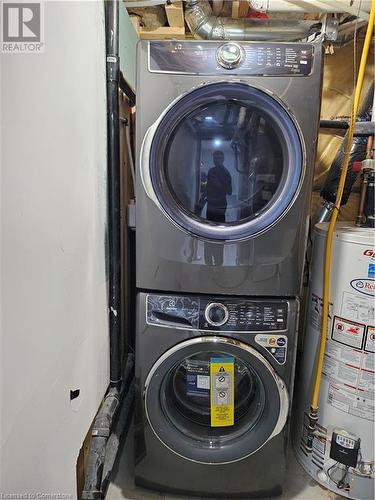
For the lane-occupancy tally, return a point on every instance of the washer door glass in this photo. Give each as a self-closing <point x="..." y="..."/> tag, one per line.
<point x="226" y="161"/>
<point x="178" y="401"/>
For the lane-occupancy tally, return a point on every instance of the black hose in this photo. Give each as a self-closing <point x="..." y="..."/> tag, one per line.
<point x="116" y="395"/>
<point x="363" y="129"/>
<point x="334" y="124"/>
<point x="113" y="180"/>
<point x="357" y="153"/>
<point x="369" y="208"/>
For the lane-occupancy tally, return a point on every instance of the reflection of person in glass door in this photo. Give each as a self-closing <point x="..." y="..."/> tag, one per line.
<point x="219" y="186"/>
<point x="199" y="206"/>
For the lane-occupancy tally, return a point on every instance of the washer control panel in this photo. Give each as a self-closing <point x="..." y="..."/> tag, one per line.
<point x="217" y="314"/>
<point x="245" y="58"/>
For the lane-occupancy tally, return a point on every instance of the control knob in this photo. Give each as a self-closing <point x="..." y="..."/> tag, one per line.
<point x="230" y="55"/>
<point x="216" y="314"/>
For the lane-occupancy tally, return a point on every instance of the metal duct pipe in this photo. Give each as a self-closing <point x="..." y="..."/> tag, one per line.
<point x="203" y="24"/>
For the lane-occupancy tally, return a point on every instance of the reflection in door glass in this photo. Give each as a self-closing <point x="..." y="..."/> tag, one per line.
<point x="224" y="162"/>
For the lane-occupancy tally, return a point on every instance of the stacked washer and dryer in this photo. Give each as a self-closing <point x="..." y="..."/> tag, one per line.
<point x="226" y="138"/>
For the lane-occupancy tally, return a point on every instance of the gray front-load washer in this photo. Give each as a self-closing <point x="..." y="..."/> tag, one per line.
<point x="225" y="141"/>
<point x="178" y="447"/>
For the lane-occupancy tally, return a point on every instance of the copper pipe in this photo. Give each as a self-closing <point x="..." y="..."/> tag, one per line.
<point x="362" y="199"/>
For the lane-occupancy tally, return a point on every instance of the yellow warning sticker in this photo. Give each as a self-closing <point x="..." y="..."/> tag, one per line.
<point x="222" y="391"/>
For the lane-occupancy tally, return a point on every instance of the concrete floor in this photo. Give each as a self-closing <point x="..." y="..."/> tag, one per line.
<point x="299" y="486"/>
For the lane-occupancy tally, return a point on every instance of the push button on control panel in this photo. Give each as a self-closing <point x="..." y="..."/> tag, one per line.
<point x="216" y="314"/>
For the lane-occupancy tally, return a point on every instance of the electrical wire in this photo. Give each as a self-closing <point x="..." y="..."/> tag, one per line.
<point x="331" y="227"/>
<point x="130" y="155"/>
<point x="360" y="468"/>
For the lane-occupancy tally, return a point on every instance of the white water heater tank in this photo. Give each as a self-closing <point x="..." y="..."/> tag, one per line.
<point x="342" y="454"/>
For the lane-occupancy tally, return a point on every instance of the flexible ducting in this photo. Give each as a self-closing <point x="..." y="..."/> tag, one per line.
<point x="357" y="153"/>
<point x="205" y="25"/>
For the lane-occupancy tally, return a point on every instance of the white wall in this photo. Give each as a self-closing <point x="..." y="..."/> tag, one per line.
<point x="54" y="332"/>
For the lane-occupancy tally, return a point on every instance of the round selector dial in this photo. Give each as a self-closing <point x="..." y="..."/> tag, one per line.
<point x="230" y="55"/>
<point x="216" y="314"/>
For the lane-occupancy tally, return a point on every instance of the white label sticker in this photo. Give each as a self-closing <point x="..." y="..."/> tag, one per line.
<point x="319" y="444"/>
<point x="352" y="403"/>
<point x="369" y="361"/>
<point x="316" y="308"/>
<point x="203" y="382"/>
<point x="357" y="308"/>
<point x="351" y="376"/>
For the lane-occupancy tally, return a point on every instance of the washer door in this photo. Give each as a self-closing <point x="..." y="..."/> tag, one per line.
<point x="225" y="161"/>
<point x="177" y="405"/>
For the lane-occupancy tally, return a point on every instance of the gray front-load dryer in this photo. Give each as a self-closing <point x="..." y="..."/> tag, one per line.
<point x="179" y="447"/>
<point x="226" y="138"/>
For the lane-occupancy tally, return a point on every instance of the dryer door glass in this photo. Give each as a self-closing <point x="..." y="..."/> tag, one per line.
<point x="179" y="401"/>
<point x="226" y="161"/>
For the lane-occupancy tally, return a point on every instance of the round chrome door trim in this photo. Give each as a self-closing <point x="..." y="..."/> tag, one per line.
<point x="208" y="309"/>
<point x="280" y="385"/>
<point x="220" y="230"/>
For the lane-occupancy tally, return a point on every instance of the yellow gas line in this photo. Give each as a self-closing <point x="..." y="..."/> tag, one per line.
<point x="331" y="227"/>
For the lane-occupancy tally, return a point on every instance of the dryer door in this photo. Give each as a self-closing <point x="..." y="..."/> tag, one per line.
<point x="178" y="401"/>
<point x="225" y="161"/>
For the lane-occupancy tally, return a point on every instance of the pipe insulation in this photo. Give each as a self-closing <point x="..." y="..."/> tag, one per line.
<point x="360" y="9"/>
<point x="106" y="434"/>
<point x="217" y="6"/>
<point x="205" y="25"/>
<point x="357" y="153"/>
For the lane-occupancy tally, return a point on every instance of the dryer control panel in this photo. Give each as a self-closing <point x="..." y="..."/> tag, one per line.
<point x="217" y="313"/>
<point x="245" y="58"/>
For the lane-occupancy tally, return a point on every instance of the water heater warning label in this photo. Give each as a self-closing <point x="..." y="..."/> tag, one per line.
<point x="370" y="339"/>
<point x="351" y="375"/>
<point x="350" y="402"/>
<point x="349" y="360"/>
<point x="349" y="333"/>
